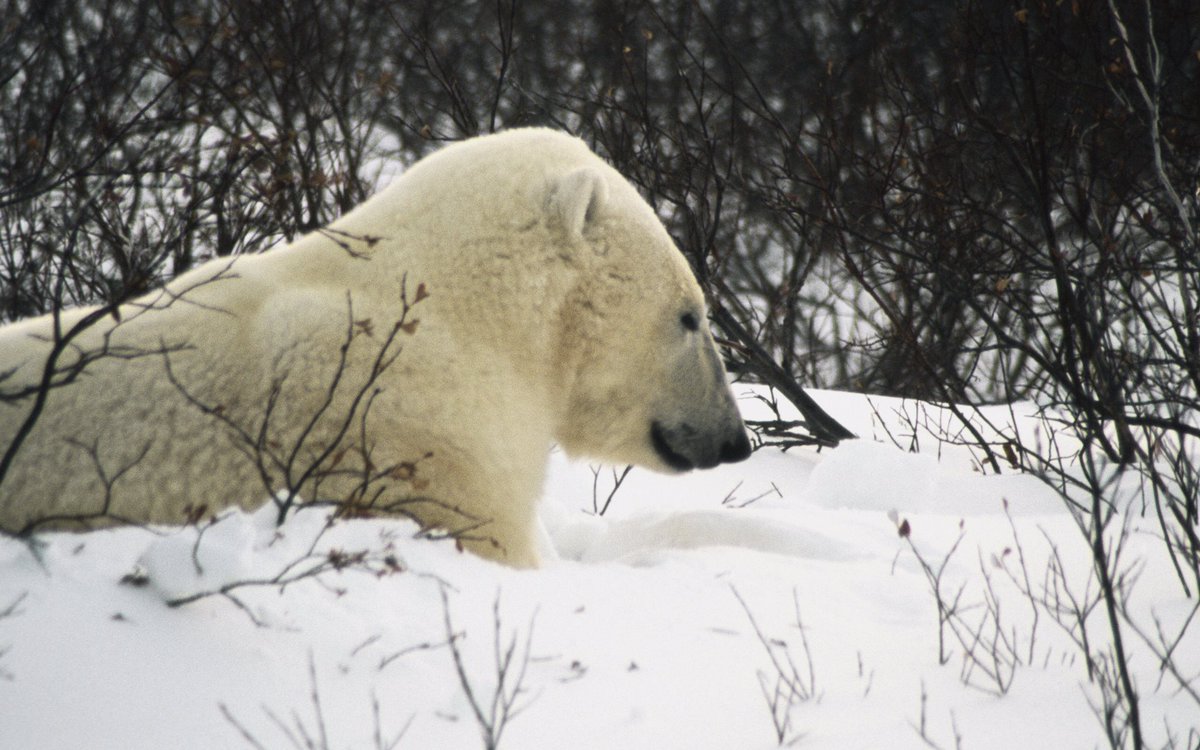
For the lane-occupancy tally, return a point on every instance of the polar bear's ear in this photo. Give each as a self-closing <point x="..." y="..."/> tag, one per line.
<point x="577" y="198"/>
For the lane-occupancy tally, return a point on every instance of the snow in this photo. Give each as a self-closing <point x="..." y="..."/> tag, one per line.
<point x="643" y="632"/>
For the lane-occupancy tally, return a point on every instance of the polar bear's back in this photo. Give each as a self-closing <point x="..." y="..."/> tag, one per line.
<point x="113" y="424"/>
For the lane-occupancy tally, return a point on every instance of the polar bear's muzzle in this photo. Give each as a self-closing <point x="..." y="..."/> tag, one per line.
<point x="684" y="448"/>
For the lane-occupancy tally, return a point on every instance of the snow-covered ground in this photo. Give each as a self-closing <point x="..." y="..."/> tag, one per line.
<point x="667" y="623"/>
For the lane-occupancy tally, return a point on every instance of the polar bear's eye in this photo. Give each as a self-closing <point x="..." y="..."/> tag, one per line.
<point x="688" y="320"/>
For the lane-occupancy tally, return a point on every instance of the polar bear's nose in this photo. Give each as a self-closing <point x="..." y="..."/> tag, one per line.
<point x="736" y="450"/>
<point x="683" y="447"/>
<point x="732" y="451"/>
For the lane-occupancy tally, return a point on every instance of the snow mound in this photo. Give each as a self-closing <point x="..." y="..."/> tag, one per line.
<point x="668" y="621"/>
<point x="638" y="537"/>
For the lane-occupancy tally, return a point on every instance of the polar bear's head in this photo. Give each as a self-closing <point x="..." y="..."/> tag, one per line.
<point x="646" y="385"/>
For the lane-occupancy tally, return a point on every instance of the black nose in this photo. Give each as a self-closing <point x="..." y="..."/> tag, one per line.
<point x="736" y="450"/>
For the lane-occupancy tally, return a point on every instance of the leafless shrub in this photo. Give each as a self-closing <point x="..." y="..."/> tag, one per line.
<point x="312" y="734"/>
<point x="731" y="500"/>
<point x="11" y="610"/>
<point x="779" y="432"/>
<point x="493" y="714"/>
<point x="423" y="646"/>
<point x="290" y="461"/>
<point x="618" y="478"/>
<point x="864" y="675"/>
<point x="791" y="684"/>
<point x="312" y="564"/>
<point x="988" y="648"/>
<point x="922" y="727"/>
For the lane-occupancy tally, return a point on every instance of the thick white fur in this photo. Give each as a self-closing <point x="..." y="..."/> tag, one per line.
<point x="553" y="314"/>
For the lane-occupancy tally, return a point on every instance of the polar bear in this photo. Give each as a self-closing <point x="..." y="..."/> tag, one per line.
<point x="418" y="356"/>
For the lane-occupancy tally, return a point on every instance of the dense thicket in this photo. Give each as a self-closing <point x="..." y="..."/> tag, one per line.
<point x="883" y="196"/>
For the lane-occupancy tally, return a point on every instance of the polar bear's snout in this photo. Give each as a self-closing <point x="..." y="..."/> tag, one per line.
<point x="684" y="448"/>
